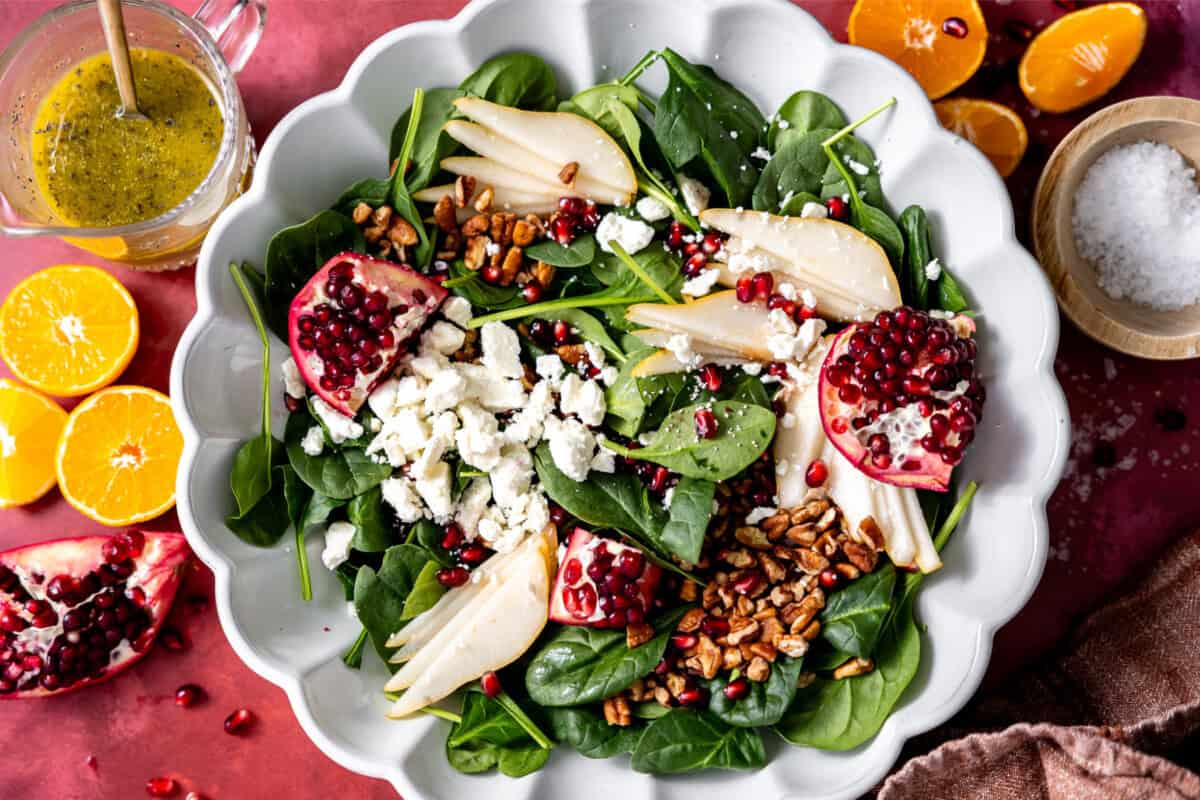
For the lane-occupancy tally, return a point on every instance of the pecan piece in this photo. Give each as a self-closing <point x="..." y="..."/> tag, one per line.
<point x="464" y="190"/>
<point x="475" y="226"/>
<point x="860" y="556"/>
<point x="476" y="252"/>
<point x="402" y="233"/>
<point x="752" y="537"/>
<point x="758" y="670"/>
<point x="794" y="646"/>
<point x="738" y="558"/>
<point x="638" y="634"/>
<point x="741" y="629"/>
<point x="616" y="711"/>
<point x="542" y="273"/>
<point x="568" y="172"/>
<point x="483" y="202"/>
<point x="362" y="212"/>
<point x="691" y="620"/>
<point x="523" y="233"/>
<point x="853" y="667"/>
<point x="444" y="214"/>
<point x="510" y="266"/>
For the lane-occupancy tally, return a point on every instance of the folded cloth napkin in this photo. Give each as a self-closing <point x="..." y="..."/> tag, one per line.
<point x="1100" y="719"/>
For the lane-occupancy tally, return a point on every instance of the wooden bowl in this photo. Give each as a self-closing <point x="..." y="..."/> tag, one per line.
<point x="1121" y="324"/>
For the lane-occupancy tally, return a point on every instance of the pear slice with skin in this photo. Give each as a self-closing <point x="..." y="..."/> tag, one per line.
<point x="817" y="252"/>
<point x="895" y="510"/>
<point x="831" y="304"/>
<point x="490" y="172"/>
<point x="423" y="627"/>
<point x="664" y="362"/>
<point x="717" y="320"/>
<point x="502" y="150"/>
<point x="502" y="197"/>
<point x="492" y="638"/>
<point x="657" y="338"/>
<point x="560" y="138"/>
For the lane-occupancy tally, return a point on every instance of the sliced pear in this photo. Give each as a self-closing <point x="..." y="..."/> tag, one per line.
<point x="831" y="304"/>
<point x="657" y="338"/>
<point x="820" y="252"/>
<point x="560" y="138"/>
<point x="490" y="639"/>
<point x="502" y="196"/>
<point x="664" y="362"/>
<point x="716" y="320"/>
<point x="503" y="150"/>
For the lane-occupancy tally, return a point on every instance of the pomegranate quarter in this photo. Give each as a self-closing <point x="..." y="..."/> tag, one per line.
<point x="603" y="584"/>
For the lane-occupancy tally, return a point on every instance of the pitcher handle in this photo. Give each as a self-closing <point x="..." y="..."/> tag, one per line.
<point x="235" y="25"/>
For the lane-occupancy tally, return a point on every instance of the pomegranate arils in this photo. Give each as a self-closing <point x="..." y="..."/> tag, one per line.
<point x="603" y="584"/>
<point x="695" y="264"/>
<point x="829" y="579"/>
<point x="490" y="682"/>
<point x="745" y="289"/>
<point x="162" y="787"/>
<point x="816" y="474"/>
<point x="188" y="695"/>
<point x="763" y="283"/>
<point x="452" y="577"/>
<point x="532" y="292"/>
<point x="736" y="690"/>
<point x="238" y="722"/>
<point x="838" y="209"/>
<point x="710" y="376"/>
<point x="706" y="423"/>
<point x="714" y="626"/>
<point x="955" y="26"/>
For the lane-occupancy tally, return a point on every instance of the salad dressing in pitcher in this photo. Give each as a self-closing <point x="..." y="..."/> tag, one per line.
<point x="96" y="169"/>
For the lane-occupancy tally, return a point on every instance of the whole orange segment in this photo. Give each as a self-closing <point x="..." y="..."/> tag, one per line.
<point x="1081" y="56"/>
<point x="29" y="427"/>
<point x="118" y="454"/>
<point x="995" y="129"/>
<point x="68" y="330"/>
<point x="939" y="42"/>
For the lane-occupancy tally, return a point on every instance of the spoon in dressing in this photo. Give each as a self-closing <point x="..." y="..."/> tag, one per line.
<point x="113" y="22"/>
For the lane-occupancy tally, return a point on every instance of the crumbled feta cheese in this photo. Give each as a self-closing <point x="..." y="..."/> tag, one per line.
<point x="856" y="167"/>
<point x="337" y="544"/>
<point x="293" y="383"/>
<point x="605" y="460"/>
<point x="652" y="209"/>
<point x="341" y="428"/>
<point x="511" y="476"/>
<point x="434" y="489"/>
<point x="788" y="290"/>
<point x="595" y="354"/>
<point x="759" y="514"/>
<point x="609" y="375"/>
<point x="447" y="389"/>
<point x="668" y="497"/>
<point x="550" y="368"/>
<point x="501" y="350"/>
<point x="680" y="345"/>
<point x="443" y="338"/>
<point x="793" y="347"/>
<point x="392" y="395"/>
<point x="572" y="447"/>
<point x="401" y="494"/>
<point x="701" y="284"/>
<point x="490" y="247"/>
<point x="631" y="234"/>
<point x="503" y="395"/>
<point x="526" y="425"/>
<point x="472" y="504"/>
<point x="428" y="365"/>
<point x="752" y="368"/>
<point x="479" y="439"/>
<point x="811" y="210"/>
<point x="695" y="194"/>
<point x="761" y="153"/>
<point x="933" y="270"/>
<point x="314" y="441"/>
<point x="583" y="398"/>
<point x="457" y="310"/>
<point x="808" y="298"/>
<point x="780" y="321"/>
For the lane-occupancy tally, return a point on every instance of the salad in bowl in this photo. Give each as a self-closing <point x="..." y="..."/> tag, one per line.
<point x="630" y="422"/>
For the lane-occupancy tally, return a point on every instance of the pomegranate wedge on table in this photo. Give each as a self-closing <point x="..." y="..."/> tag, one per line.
<point x="741" y="424"/>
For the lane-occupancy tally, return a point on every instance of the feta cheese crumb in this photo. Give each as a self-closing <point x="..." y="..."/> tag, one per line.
<point x="584" y="399"/>
<point x="501" y="350"/>
<point x="434" y="489"/>
<point x="702" y="284"/>
<point x="793" y="347"/>
<point x="341" y="428"/>
<point x="550" y="368"/>
<point x="472" y="504"/>
<point x="811" y="210"/>
<point x="595" y="354"/>
<point x="695" y="194"/>
<point x="752" y="367"/>
<point x="759" y="514"/>
<point x="293" y="384"/>
<point x="933" y="270"/>
<point x="314" y="441"/>
<point x="808" y="298"/>
<point x="668" y="497"/>
<point x="680" y="345"/>
<point x="457" y="310"/>
<point x="392" y="395"/>
<point x="652" y="209"/>
<point x="572" y="447"/>
<point x="761" y="153"/>
<point x="788" y="290"/>
<point x="609" y="375"/>
<point x="337" y="544"/>
<point x="479" y="440"/>
<point x="443" y="338"/>
<point x="447" y="389"/>
<point x="401" y="495"/>
<point x="631" y="234"/>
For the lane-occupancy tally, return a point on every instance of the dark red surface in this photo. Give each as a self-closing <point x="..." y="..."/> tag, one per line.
<point x="1130" y="487"/>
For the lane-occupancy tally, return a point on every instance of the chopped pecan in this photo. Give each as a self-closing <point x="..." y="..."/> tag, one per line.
<point x="616" y="711"/>
<point x="743" y="606"/>
<point x="523" y="233"/>
<point x="573" y="354"/>
<point x="402" y="233"/>
<point x="853" y="667"/>
<point x="869" y="533"/>
<point x="689" y="591"/>
<point x="764" y="650"/>
<point x="731" y="658"/>
<point x="738" y="558"/>
<point x="510" y="266"/>
<point x="543" y="273"/>
<point x="848" y="571"/>
<point x="662" y="696"/>
<point x="382" y="216"/>
<point x="775" y="571"/>
<point x="752" y="537"/>
<point x="809" y="512"/>
<point x="362" y="212"/>
<point x="812" y="631"/>
<point x="742" y="629"/>
<point x="794" y="646"/>
<point x="709" y="598"/>
<point x="811" y="561"/>
<point x="374" y="234"/>
<point x="860" y="556"/>
<point x="709" y="657"/>
<point x="476" y="252"/>
<point x="772" y="630"/>
<point x="568" y="172"/>
<point x="444" y="214"/>
<point x="805" y="680"/>
<point x="464" y="190"/>
<point x="638" y="634"/>
<point x="676" y="683"/>
<point x="691" y="621"/>
<point x="502" y="227"/>
<point x="827" y="519"/>
<point x="727" y="595"/>
<point x="780" y="596"/>
<point x="797" y="615"/>
<point x="476" y="225"/>
<point x="802" y="535"/>
<point x="483" y="203"/>
<point x="758" y="670"/>
<point x="774" y="526"/>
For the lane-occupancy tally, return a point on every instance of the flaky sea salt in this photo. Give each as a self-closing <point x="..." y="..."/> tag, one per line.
<point x="1137" y="219"/>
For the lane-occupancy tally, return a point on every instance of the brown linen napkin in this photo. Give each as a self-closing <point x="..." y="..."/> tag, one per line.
<point x="1097" y="719"/>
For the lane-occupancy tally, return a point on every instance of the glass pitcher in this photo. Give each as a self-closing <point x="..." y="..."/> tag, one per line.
<point x="217" y="42"/>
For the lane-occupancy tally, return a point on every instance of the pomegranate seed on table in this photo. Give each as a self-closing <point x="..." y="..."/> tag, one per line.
<point x="239" y="721"/>
<point x="188" y="695"/>
<point x="162" y="787"/>
<point x="490" y="682"/>
<point x="172" y="640"/>
<point x="706" y="423"/>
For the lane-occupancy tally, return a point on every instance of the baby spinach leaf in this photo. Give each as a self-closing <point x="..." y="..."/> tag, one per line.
<point x="950" y="295"/>
<point x="744" y="431"/>
<point x="469" y="286"/>
<point x="766" y="702"/>
<point x="372" y="528"/>
<point x="592" y="737"/>
<point x="484" y="720"/>
<point x="879" y="226"/>
<point x="604" y="500"/>
<point x="253" y="465"/>
<point x="521" y="80"/>
<point x="517" y="762"/>
<point x="295" y="254"/>
<point x="265" y="523"/>
<point x="588" y="327"/>
<point x="579" y="253"/>
<point x="488" y="736"/>
<point x="318" y="509"/>
<point x="701" y="115"/>
<point x="804" y="111"/>
<point x="794" y="205"/>
<point x="579" y="665"/>
<point x="797" y="168"/>
<point x="691" y="509"/>
<point x="337" y="474"/>
<point x="852" y="149"/>
<point x="623" y="399"/>
<point x="914" y="225"/>
<point x="842" y="714"/>
<point x="750" y="389"/>
<point x="372" y="191"/>
<point x="650" y="710"/>
<point x="853" y="617"/>
<point x="378" y="608"/>
<point x="400" y="197"/>
<point x="663" y="394"/>
<point x="474" y="757"/>
<point x="401" y="568"/>
<point x="431" y="143"/>
<point x="296" y="494"/>
<point x="426" y="591"/>
<point x="686" y="741"/>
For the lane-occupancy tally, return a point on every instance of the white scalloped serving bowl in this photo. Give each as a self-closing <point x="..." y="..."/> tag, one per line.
<point x="769" y="49"/>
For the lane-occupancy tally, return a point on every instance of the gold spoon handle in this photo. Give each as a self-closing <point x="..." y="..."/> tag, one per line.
<point x="113" y="22"/>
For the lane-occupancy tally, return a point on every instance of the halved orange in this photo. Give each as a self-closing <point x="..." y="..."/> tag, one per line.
<point x="118" y="454"/>
<point x="68" y="330"/>
<point x="939" y="42"/>
<point x="1081" y="56"/>
<point x="29" y="427"/>
<point x="994" y="129"/>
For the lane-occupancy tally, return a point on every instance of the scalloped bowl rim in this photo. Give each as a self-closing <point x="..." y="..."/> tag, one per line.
<point x="907" y="720"/>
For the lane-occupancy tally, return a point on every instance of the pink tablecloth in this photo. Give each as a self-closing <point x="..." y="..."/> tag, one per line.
<point x="1129" y="488"/>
